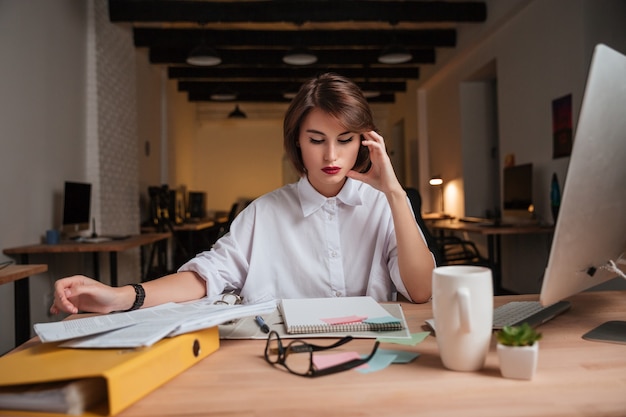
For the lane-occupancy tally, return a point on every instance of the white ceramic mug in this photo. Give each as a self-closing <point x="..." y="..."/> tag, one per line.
<point x="463" y="312"/>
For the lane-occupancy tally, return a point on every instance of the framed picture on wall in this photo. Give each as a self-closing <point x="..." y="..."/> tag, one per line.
<point x="562" y="126"/>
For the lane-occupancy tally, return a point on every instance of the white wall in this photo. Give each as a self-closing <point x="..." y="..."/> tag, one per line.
<point x="42" y="114"/>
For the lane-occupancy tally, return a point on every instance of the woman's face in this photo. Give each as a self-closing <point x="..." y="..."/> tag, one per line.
<point x="328" y="151"/>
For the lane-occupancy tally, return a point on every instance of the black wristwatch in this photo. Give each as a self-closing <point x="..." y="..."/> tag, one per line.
<point x="140" y="296"/>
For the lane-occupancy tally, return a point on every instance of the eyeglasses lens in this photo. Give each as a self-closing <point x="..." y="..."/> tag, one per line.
<point x="298" y="356"/>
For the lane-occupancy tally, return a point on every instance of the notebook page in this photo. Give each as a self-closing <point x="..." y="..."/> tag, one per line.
<point x="312" y="315"/>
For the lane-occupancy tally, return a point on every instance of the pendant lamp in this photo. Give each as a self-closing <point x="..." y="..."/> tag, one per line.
<point x="237" y="113"/>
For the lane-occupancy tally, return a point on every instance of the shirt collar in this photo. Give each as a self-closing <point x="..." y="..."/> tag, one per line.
<point x="311" y="200"/>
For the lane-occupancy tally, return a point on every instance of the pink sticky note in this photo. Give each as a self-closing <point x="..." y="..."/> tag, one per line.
<point x="331" y="359"/>
<point x="344" y="320"/>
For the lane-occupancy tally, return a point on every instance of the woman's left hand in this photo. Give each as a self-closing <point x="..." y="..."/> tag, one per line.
<point x="381" y="174"/>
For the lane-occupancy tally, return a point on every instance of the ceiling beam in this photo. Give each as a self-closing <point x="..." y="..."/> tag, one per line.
<point x="276" y="97"/>
<point x="148" y="37"/>
<point x="273" y="57"/>
<point x="296" y="11"/>
<point x="264" y="87"/>
<point x="296" y="74"/>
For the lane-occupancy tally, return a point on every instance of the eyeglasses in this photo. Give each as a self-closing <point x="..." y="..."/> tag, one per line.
<point x="297" y="356"/>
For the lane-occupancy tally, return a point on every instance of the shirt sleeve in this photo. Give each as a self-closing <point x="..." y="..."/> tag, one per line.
<point x="226" y="265"/>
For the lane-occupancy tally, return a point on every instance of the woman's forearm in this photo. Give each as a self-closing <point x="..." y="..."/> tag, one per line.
<point x="414" y="258"/>
<point x="177" y="287"/>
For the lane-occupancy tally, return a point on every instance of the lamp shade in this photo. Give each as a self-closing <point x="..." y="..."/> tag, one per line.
<point x="300" y="56"/>
<point x="237" y="113"/>
<point x="223" y="93"/>
<point x="203" y="56"/>
<point x="394" y="54"/>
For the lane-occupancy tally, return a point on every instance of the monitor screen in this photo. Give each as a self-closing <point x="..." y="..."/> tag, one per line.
<point x="590" y="232"/>
<point x="76" y="206"/>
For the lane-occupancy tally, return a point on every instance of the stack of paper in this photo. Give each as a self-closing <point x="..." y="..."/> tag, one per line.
<point x="146" y="326"/>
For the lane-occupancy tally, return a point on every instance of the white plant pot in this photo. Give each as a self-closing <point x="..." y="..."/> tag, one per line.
<point x="518" y="362"/>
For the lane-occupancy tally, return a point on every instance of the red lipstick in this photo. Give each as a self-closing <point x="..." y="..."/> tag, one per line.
<point x="331" y="170"/>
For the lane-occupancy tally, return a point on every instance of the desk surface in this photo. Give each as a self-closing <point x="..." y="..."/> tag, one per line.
<point x="108" y="246"/>
<point x="16" y="272"/>
<point x="490" y="229"/>
<point x="574" y="377"/>
<point x="437" y="216"/>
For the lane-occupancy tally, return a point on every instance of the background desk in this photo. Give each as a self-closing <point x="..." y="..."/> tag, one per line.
<point x="18" y="274"/>
<point x="493" y="234"/>
<point x="574" y="377"/>
<point x="111" y="247"/>
<point x="191" y="238"/>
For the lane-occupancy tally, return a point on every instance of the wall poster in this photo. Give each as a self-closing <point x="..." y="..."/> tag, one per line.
<point x="562" y="126"/>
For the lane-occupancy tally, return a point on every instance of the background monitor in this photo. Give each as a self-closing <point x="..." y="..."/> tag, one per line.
<point x="517" y="192"/>
<point x="591" y="226"/>
<point x="76" y="207"/>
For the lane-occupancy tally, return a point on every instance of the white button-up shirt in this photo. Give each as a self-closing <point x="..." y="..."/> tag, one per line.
<point x="296" y="243"/>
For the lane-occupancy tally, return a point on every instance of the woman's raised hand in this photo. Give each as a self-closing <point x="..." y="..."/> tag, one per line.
<point x="381" y="174"/>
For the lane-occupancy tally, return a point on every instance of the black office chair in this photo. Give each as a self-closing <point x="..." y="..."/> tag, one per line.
<point x="235" y="209"/>
<point x="431" y="241"/>
<point x="225" y="227"/>
<point x="447" y="250"/>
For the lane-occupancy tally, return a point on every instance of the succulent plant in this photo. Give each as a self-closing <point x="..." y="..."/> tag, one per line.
<point x="523" y="335"/>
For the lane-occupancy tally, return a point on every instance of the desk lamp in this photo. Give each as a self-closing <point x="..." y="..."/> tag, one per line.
<point x="437" y="181"/>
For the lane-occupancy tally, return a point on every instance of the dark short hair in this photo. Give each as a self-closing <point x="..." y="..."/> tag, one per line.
<point x="340" y="98"/>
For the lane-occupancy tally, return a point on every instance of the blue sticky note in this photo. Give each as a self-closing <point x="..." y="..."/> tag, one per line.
<point x="401" y="355"/>
<point x="412" y="341"/>
<point x="381" y="360"/>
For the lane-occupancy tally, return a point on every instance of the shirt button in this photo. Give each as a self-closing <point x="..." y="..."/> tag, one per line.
<point x="338" y="294"/>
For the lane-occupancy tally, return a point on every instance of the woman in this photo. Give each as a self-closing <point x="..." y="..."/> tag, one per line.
<point x="344" y="229"/>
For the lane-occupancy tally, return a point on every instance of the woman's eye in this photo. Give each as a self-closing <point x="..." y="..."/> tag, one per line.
<point x="348" y="140"/>
<point x="316" y="141"/>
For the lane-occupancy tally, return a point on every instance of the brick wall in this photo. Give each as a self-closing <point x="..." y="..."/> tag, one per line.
<point x="112" y="151"/>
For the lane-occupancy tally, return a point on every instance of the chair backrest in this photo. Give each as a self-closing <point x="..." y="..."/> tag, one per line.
<point x="416" y="203"/>
<point x="235" y="209"/>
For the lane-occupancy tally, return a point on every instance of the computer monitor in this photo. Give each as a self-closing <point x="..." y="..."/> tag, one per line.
<point x="76" y="207"/>
<point x="517" y="192"/>
<point x="590" y="231"/>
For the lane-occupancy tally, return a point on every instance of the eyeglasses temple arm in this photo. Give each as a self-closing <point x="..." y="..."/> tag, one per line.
<point x="340" y="342"/>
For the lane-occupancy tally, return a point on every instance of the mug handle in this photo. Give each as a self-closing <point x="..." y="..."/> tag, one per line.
<point x="464" y="310"/>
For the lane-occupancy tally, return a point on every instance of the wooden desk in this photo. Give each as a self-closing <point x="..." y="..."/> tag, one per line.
<point x="112" y="247"/>
<point x="436" y="216"/>
<point x="18" y="274"/>
<point x="493" y="234"/>
<point x="574" y="377"/>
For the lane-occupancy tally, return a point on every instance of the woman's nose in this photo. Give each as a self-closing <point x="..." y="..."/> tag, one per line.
<point x="330" y="154"/>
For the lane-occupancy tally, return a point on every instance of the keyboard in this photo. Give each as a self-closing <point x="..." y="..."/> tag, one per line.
<point x="517" y="312"/>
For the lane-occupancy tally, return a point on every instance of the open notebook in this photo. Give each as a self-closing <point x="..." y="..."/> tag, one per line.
<point x="247" y="328"/>
<point x="345" y="314"/>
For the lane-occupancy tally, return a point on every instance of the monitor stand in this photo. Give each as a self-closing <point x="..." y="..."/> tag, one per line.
<point x="611" y="331"/>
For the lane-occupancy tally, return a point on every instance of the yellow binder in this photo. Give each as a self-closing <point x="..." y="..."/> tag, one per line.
<point x="129" y="374"/>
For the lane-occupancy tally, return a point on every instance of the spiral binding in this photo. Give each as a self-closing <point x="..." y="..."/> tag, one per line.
<point x="344" y="328"/>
